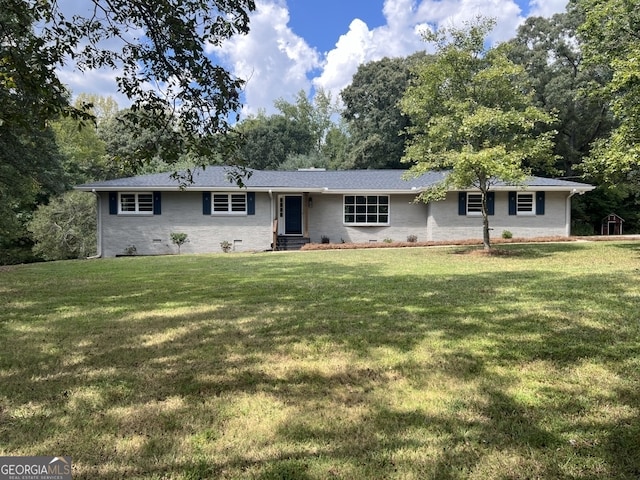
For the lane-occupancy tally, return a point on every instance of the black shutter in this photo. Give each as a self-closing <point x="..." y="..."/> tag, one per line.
<point x="157" y="203"/>
<point x="540" y="203"/>
<point x="462" y="203"/>
<point x="206" y="203"/>
<point x="491" y="203"/>
<point x="513" y="206"/>
<point x="113" y="203"/>
<point x="251" y="203"/>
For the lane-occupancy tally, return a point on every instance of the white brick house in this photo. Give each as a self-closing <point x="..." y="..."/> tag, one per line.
<point x="276" y="209"/>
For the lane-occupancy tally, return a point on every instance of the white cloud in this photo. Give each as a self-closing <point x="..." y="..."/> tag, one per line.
<point x="274" y="61"/>
<point x="547" y="8"/>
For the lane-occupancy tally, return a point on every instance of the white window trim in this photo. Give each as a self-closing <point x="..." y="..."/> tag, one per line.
<point x="229" y="212"/>
<point x="137" y="204"/>
<point x="367" y="224"/>
<point x="473" y="214"/>
<point x="532" y="213"/>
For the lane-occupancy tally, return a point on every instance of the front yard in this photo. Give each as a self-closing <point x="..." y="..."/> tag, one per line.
<point x="356" y="364"/>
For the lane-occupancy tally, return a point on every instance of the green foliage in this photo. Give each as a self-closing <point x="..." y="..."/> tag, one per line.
<point x="66" y="227"/>
<point x="226" y="246"/>
<point x="507" y="234"/>
<point x="550" y="51"/>
<point x="178" y="239"/>
<point x="610" y="36"/>
<point x="170" y="51"/>
<point x="374" y="120"/>
<point x="269" y="140"/>
<point x="473" y="115"/>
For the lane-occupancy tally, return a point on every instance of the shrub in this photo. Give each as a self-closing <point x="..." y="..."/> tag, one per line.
<point x="507" y="234"/>
<point x="324" y="239"/>
<point x="226" y="246"/>
<point x="179" y="239"/>
<point x="387" y="240"/>
<point x="412" y="238"/>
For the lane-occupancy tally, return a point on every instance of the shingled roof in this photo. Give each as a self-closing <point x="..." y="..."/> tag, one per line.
<point x="309" y="180"/>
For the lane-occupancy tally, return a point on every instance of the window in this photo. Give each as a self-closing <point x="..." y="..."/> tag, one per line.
<point x="366" y="209"/>
<point x="470" y="204"/>
<point x="229" y="203"/>
<point x="525" y="204"/>
<point x="474" y="204"/>
<point x="134" y="203"/>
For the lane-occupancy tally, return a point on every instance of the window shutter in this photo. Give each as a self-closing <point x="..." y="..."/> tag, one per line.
<point x="540" y="203"/>
<point x="113" y="203"/>
<point x="206" y="203"/>
<point x="157" y="203"/>
<point x="462" y="203"/>
<point x="513" y="203"/>
<point x="491" y="203"/>
<point x="251" y="203"/>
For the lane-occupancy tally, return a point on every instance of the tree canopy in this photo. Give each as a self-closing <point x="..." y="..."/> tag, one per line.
<point x="473" y="114"/>
<point x="611" y="38"/>
<point x="164" y="70"/>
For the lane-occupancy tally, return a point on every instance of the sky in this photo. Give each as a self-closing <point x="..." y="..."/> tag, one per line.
<point x="306" y="45"/>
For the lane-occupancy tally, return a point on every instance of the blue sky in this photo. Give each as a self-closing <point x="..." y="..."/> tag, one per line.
<point x="305" y="45"/>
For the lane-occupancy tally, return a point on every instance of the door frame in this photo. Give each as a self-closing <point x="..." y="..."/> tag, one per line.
<point x="282" y="214"/>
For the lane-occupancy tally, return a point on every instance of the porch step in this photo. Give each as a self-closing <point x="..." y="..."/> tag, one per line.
<point x="291" y="243"/>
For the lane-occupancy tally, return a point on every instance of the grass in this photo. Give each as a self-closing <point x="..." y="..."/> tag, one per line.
<point x="356" y="364"/>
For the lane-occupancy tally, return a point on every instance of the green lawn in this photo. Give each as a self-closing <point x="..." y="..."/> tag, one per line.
<point x="358" y="364"/>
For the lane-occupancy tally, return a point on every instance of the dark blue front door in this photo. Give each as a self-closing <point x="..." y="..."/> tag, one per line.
<point x="293" y="215"/>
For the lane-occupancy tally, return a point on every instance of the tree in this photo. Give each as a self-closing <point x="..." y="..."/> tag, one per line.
<point x="376" y="125"/>
<point x="66" y="227"/>
<point x="314" y="116"/>
<point x="269" y="140"/>
<point x="178" y="239"/>
<point x="611" y="37"/>
<point x="551" y="53"/>
<point x="169" y="53"/>
<point x="472" y="114"/>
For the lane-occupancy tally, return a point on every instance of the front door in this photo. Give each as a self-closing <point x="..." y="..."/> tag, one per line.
<point x="290" y="215"/>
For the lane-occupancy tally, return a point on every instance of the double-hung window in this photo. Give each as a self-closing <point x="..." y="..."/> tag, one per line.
<point x="470" y="203"/>
<point x="135" y="203"/>
<point x="525" y="204"/>
<point x="364" y="210"/>
<point x="474" y="204"/>
<point x="229" y="203"/>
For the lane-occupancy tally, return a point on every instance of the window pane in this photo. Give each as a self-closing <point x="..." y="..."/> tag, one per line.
<point x="383" y="200"/>
<point x="220" y="203"/>
<point x="238" y="203"/>
<point x="145" y="202"/>
<point x="128" y="202"/>
<point x="525" y="202"/>
<point x="361" y="218"/>
<point x="349" y="218"/>
<point x="349" y="200"/>
<point x="349" y="209"/>
<point x="372" y="199"/>
<point x="360" y="200"/>
<point x="383" y="219"/>
<point x="474" y="203"/>
<point x="372" y="209"/>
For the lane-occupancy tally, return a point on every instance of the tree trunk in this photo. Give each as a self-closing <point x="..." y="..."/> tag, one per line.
<point x="486" y="240"/>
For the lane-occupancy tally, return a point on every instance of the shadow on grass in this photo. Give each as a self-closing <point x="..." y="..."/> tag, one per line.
<point x="319" y="370"/>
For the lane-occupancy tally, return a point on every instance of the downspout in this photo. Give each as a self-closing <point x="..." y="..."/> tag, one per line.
<point x="273" y="218"/>
<point x="98" y="226"/>
<point x="568" y="213"/>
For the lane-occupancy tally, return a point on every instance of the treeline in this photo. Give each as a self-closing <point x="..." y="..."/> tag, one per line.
<point x="579" y="65"/>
